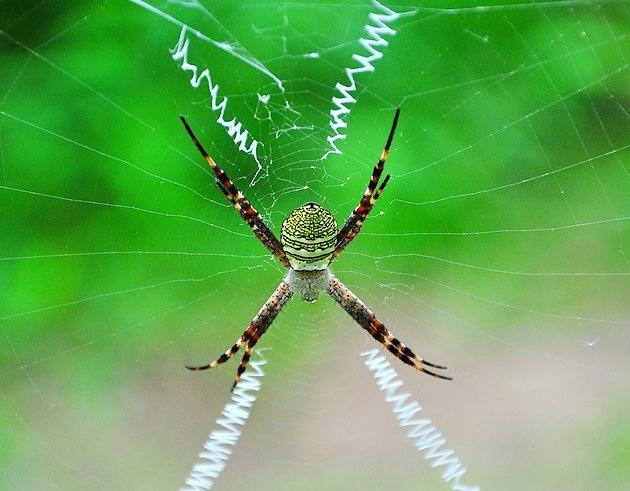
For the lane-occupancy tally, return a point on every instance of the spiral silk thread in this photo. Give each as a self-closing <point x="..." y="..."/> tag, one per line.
<point x="426" y="438"/>
<point x="234" y="128"/>
<point x="373" y="42"/>
<point x="226" y="47"/>
<point x="218" y="446"/>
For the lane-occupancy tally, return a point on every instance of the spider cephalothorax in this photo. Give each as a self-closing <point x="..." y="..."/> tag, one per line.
<point x="309" y="242"/>
<point x="309" y="237"/>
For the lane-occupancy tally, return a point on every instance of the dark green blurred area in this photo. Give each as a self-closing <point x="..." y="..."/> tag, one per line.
<point x="500" y="244"/>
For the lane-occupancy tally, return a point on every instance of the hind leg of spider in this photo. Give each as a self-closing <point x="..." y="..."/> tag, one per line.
<point x="356" y="219"/>
<point x="241" y="204"/>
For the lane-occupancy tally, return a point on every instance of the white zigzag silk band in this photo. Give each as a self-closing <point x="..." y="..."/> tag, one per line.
<point x="218" y="447"/>
<point x="233" y="127"/>
<point x="226" y="47"/>
<point x="372" y="43"/>
<point x="426" y="438"/>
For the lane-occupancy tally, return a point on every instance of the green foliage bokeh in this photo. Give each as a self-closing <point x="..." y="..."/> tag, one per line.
<point x="506" y="212"/>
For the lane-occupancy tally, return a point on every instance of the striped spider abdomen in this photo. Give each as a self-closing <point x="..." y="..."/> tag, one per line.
<point x="309" y="237"/>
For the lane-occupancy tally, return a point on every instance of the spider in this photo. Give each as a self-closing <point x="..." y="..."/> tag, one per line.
<point x="309" y="242"/>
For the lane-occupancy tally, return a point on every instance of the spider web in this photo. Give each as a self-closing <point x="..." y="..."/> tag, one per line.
<point x="499" y="246"/>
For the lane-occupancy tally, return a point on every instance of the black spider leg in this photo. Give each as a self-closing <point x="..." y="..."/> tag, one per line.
<point x="259" y="325"/>
<point x="242" y="205"/>
<point x="368" y="321"/>
<point x="356" y="219"/>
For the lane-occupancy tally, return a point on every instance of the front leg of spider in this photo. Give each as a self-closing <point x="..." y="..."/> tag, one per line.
<point x="344" y="297"/>
<point x="368" y="321"/>
<point x="261" y="322"/>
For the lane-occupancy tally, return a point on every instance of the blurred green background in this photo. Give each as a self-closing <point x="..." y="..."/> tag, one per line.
<point x="499" y="247"/>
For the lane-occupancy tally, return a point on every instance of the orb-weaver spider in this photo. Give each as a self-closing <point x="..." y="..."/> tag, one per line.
<point x="308" y="243"/>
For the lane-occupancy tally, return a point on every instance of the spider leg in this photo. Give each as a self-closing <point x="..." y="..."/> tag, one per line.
<point x="242" y="205"/>
<point x="400" y="346"/>
<point x="228" y="353"/>
<point x="261" y="322"/>
<point x="355" y="221"/>
<point x="248" y="351"/>
<point x="368" y="321"/>
<point x="243" y="365"/>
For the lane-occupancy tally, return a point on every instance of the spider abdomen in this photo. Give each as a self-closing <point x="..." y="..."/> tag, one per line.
<point x="309" y="237"/>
